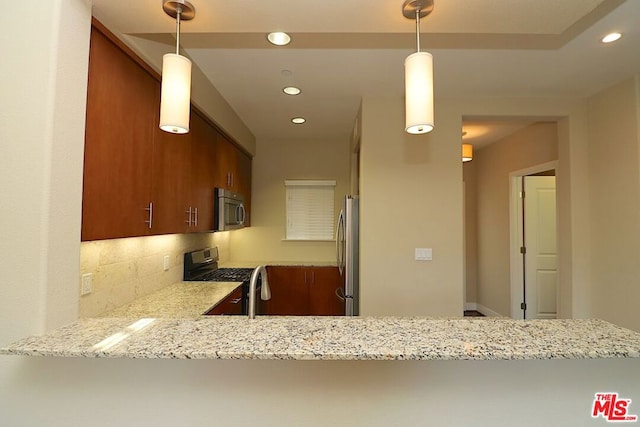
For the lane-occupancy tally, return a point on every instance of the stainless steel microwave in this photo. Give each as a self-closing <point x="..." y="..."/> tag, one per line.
<point x="230" y="213"/>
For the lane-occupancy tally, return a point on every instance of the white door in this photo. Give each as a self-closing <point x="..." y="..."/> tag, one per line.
<point x="541" y="278"/>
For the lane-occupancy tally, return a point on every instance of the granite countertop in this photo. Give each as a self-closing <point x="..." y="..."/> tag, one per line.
<point x="254" y="264"/>
<point x="334" y="338"/>
<point x="179" y="300"/>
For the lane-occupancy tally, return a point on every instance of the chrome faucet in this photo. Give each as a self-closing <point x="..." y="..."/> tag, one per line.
<point x="265" y="292"/>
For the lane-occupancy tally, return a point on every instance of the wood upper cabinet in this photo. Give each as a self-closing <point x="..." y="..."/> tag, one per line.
<point x="171" y="179"/>
<point x="226" y="159"/>
<point x="183" y="178"/>
<point x="121" y="115"/>
<point x="138" y="179"/>
<point x="304" y="291"/>
<point x="233" y="171"/>
<point x="202" y="173"/>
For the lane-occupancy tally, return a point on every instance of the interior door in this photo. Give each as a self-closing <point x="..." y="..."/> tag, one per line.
<point x="540" y="241"/>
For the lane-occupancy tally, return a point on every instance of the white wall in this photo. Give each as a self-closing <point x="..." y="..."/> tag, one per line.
<point x="115" y="392"/>
<point x="42" y="116"/>
<point x="411" y="197"/>
<point x="614" y="182"/>
<point x="276" y="161"/>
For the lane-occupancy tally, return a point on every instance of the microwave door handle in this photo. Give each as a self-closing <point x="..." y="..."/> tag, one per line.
<point x="243" y="214"/>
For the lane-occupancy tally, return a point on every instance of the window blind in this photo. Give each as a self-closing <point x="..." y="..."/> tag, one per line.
<point x="310" y="209"/>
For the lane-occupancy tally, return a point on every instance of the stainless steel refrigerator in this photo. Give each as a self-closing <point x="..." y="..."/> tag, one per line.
<point x="347" y="247"/>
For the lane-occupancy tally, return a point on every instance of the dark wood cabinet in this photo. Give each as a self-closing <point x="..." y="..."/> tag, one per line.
<point x="289" y="293"/>
<point x="202" y="173"/>
<point x="138" y="179"/>
<point x="304" y="291"/>
<point x="233" y="171"/>
<point x="323" y="300"/>
<point x="231" y="305"/>
<point x="170" y="182"/>
<point x="120" y="121"/>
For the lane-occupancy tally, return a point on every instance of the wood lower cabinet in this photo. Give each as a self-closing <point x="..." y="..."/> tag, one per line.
<point x="304" y="291"/>
<point x="231" y="305"/>
<point x="323" y="300"/>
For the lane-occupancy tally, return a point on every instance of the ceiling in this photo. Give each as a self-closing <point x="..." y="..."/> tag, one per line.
<point x="344" y="50"/>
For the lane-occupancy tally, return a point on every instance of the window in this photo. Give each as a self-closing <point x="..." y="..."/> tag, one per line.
<point x="310" y="214"/>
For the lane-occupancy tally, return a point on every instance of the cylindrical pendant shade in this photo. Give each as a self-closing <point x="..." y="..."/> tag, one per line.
<point x="176" y="93"/>
<point x="418" y="81"/>
<point x="467" y="152"/>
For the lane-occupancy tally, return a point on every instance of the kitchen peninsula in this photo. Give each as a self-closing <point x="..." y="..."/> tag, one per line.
<point x="333" y="338"/>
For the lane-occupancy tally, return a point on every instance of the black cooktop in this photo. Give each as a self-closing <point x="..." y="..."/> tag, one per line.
<point x="229" y="275"/>
<point x="202" y="265"/>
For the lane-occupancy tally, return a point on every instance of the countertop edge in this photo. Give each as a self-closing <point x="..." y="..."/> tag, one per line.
<point x="335" y="338"/>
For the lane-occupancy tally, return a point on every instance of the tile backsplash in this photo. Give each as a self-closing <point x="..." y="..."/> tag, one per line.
<point x="125" y="269"/>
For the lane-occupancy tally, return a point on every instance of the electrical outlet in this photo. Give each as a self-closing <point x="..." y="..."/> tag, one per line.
<point x="166" y="262"/>
<point x="87" y="284"/>
<point x="424" y="254"/>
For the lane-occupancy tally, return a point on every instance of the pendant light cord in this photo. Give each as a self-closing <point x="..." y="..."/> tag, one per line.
<point x="418" y="29"/>
<point x="178" y="12"/>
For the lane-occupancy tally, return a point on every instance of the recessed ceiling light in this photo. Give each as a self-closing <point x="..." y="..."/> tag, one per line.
<point x="279" y="38"/>
<point x="298" y="120"/>
<point x="291" y="90"/>
<point x="611" y="37"/>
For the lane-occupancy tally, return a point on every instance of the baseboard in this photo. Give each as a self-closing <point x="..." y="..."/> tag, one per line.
<point x="470" y="306"/>
<point x="487" y="311"/>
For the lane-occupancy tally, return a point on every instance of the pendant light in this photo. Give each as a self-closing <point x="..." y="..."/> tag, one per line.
<point x="418" y="75"/>
<point x="467" y="152"/>
<point x="175" y="100"/>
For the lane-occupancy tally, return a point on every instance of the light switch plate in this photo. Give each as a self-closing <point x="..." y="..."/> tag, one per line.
<point x="166" y="262"/>
<point x="424" y="254"/>
<point x="87" y="284"/>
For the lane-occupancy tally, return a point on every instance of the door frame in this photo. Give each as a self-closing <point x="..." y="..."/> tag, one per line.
<point x="516" y="266"/>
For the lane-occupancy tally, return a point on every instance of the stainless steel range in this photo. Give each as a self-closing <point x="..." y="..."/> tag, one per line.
<point x="202" y="266"/>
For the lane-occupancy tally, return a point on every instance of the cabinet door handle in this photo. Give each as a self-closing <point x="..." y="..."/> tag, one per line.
<point x="150" y="210"/>
<point x="188" y="221"/>
<point x="235" y="301"/>
<point x="313" y="277"/>
<point x="195" y="222"/>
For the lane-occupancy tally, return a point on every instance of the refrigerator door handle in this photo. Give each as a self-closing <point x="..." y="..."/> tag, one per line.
<point x="340" y="242"/>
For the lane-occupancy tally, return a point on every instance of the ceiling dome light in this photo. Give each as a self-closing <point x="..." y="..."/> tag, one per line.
<point x="298" y="120"/>
<point x="611" y="37"/>
<point x="291" y="90"/>
<point x="279" y="38"/>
